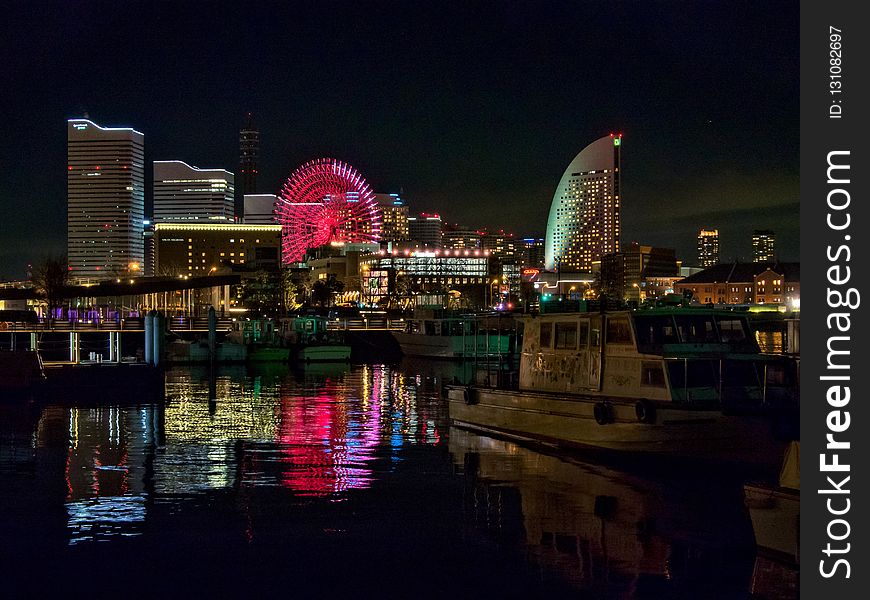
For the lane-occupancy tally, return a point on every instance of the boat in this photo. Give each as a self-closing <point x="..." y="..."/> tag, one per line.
<point x="262" y="341"/>
<point x="775" y="514"/>
<point x="311" y="340"/>
<point x="437" y="333"/>
<point x="686" y="382"/>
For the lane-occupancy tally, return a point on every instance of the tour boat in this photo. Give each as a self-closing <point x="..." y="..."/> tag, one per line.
<point x="439" y="334"/>
<point x="311" y="340"/>
<point x="674" y="381"/>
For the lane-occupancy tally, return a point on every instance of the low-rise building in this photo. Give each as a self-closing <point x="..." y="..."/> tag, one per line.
<point x="745" y="283"/>
<point x="200" y="248"/>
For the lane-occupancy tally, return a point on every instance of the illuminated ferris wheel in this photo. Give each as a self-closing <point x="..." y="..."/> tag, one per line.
<point x="325" y="201"/>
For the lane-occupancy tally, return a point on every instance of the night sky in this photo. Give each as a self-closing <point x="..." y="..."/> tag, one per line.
<point x="472" y="109"/>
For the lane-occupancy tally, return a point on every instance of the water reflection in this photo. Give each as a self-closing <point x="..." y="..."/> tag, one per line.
<point x="611" y="533"/>
<point x="276" y="474"/>
<point x="316" y="432"/>
<point x="105" y="470"/>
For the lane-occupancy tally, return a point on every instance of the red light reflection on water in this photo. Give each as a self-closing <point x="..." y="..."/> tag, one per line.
<point x="326" y="442"/>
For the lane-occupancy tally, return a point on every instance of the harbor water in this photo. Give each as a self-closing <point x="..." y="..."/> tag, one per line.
<point x="339" y="479"/>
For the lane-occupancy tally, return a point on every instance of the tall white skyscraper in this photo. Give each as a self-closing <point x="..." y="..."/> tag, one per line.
<point x="584" y="217"/>
<point x="186" y="193"/>
<point x="105" y="200"/>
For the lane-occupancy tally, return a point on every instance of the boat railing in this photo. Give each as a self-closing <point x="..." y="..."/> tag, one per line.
<point x="735" y="382"/>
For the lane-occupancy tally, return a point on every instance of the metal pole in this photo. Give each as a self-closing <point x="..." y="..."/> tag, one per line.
<point x="212" y="335"/>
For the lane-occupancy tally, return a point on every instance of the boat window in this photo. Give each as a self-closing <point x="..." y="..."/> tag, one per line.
<point x="651" y="374"/>
<point x="584" y="334"/>
<point x="740" y="373"/>
<point x="696" y="380"/>
<point x="566" y="335"/>
<point x="696" y="329"/>
<point x="452" y="328"/>
<point x="546" y="335"/>
<point x="429" y="327"/>
<point x="618" y="331"/>
<point x="655" y="331"/>
<point x="731" y="329"/>
<point x="777" y="374"/>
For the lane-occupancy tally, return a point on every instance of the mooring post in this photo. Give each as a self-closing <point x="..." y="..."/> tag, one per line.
<point x="158" y="342"/>
<point x="212" y="335"/>
<point x="149" y="337"/>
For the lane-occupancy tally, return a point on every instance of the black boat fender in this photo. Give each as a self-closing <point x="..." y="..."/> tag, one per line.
<point x="468" y="395"/>
<point x="603" y="413"/>
<point x="645" y="411"/>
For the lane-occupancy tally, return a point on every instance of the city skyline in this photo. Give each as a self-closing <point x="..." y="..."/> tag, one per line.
<point x="476" y="125"/>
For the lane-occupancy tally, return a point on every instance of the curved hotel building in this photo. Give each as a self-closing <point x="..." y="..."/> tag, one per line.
<point x="584" y="217"/>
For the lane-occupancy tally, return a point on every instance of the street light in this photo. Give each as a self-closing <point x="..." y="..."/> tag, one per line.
<point x="491" y="292"/>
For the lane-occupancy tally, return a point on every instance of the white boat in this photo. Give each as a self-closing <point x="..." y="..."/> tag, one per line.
<point x="775" y="514"/>
<point x="438" y="334"/>
<point x="683" y="382"/>
<point x="775" y="511"/>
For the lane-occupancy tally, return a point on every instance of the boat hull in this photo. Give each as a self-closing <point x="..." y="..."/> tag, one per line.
<point x="428" y="346"/>
<point x="570" y="422"/>
<point x="453" y="347"/>
<point x="327" y="353"/>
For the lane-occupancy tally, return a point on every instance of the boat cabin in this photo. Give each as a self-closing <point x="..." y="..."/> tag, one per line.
<point x="683" y="355"/>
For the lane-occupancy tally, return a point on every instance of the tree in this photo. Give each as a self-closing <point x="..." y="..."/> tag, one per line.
<point x="50" y="277"/>
<point x="290" y="292"/>
<point x="260" y="293"/>
<point x="323" y="290"/>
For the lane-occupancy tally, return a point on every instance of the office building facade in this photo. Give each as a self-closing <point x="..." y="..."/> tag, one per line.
<point x="763" y="245"/>
<point x="708" y="247"/>
<point x="259" y="209"/>
<point x="426" y="229"/>
<point x="105" y="200"/>
<point x="186" y="193"/>
<point x="394" y="218"/>
<point x="584" y="216"/>
<point x="204" y="248"/>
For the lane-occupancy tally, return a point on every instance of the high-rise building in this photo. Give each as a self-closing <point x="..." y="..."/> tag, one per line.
<point x="260" y="208"/>
<point x="500" y="244"/>
<point x="394" y="218"/>
<point x="708" y="247"/>
<point x="584" y="216"/>
<point x="763" y="245"/>
<point x="105" y="200"/>
<point x="533" y="253"/>
<point x="249" y="157"/>
<point x="186" y="193"/>
<point x="426" y="229"/>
